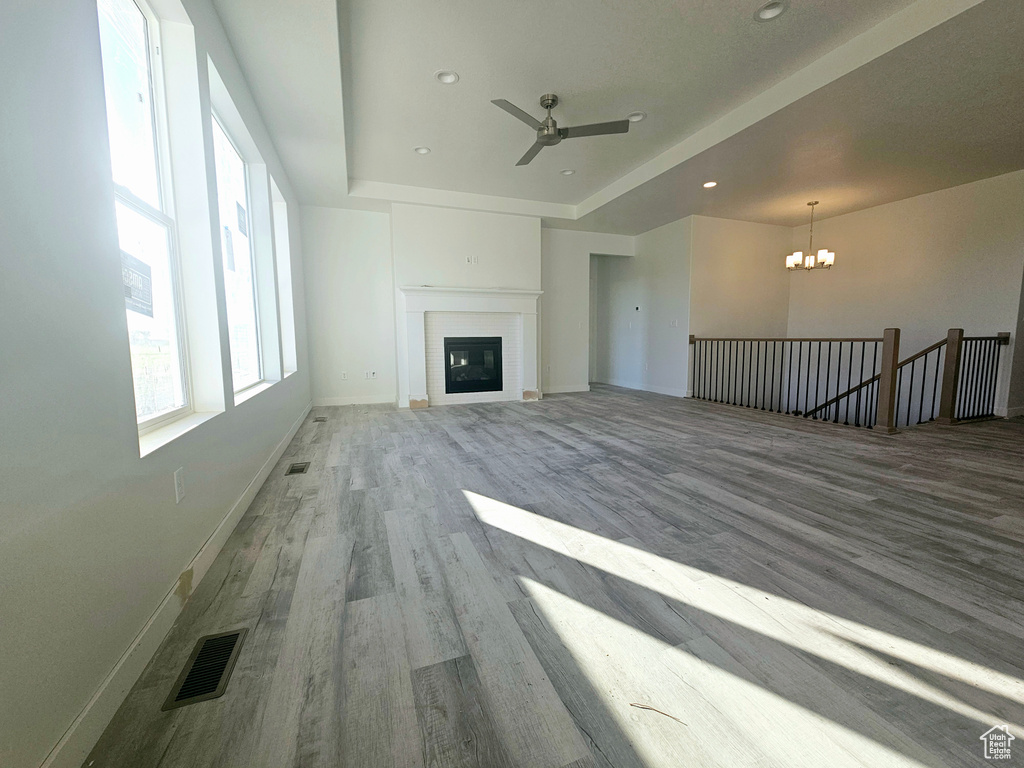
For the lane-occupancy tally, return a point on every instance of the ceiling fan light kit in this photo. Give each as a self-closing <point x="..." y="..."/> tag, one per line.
<point x="824" y="259"/>
<point x="548" y="132"/>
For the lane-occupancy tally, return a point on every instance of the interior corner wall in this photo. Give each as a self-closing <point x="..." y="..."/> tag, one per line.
<point x="351" y="306"/>
<point x="736" y="286"/>
<point x="948" y="259"/>
<point x="565" y="304"/>
<point x="92" y="543"/>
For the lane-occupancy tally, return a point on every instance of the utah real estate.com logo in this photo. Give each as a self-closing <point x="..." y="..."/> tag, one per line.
<point x="997" y="742"/>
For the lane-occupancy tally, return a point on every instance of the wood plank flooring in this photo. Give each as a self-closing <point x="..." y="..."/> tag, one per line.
<point x="608" y="579"/>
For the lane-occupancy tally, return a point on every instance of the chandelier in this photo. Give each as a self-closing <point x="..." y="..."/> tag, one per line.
<point x="824" y="259"/>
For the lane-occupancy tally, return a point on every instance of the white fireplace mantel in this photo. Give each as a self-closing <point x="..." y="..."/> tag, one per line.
<point x="420" y="299"/>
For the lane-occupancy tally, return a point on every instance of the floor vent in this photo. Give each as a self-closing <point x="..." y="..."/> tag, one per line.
<point x="208" y="669"/>
<point x="298" y="468"/>
<point x="319" y="418"/>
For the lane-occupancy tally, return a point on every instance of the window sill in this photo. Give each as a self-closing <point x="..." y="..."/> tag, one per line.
<point x="161" y="436"/>
<point x="251" y="392"/>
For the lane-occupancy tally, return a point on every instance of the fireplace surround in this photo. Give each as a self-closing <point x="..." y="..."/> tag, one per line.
<point x="464" y="312"/>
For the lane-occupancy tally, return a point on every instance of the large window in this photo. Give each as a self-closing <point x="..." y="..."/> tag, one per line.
<point x="237" y="255"/>
<point x="129" y="39"/>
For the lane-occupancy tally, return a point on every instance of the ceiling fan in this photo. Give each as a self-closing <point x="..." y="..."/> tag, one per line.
<point x="548" y="132"/>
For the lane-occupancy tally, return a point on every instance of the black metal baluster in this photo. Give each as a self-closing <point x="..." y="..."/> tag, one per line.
<point x="839" y="383"/>
<point x="715" y="376"/>
<point x="971" y="352"/>
<point x="995" y="376"/>
<point x="733" y="373"/>
<point x="771" y="395"/>
<point x="760" y="375"/>
<point x="993" y="379"/>
<point x="983" y="388"/>
<point x="750" y="369"/>
<point x="726" y="375"/>
<point x="849" y="381"/>
<point x="856" y="412"/>
<point x="987" y="383"/>
<point x="970" y="357"/>
<point x="935" y="382"/>
<point x="899" y="393"/>
<point x="752" y="377"/>
<point x="910" y="394"/>
<point x="698" y="382"/>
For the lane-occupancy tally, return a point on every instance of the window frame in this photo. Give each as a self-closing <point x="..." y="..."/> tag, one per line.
<point x="250" y="239"/>
<point x="164" y="216"/>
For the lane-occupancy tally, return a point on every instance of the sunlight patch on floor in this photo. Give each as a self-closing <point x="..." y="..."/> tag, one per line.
<point x="792" y="626"/>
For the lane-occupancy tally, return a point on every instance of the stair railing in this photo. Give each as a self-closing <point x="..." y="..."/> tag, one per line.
<point x="954" y="379"/>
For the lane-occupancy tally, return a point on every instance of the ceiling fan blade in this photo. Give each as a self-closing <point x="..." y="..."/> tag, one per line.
<point x="530" y="153"/>
<point x="515" y="111"/>
<point x="594" y="129"/>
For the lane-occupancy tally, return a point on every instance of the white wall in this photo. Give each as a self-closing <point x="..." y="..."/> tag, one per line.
<point x="737" y="288"/>
<point x="565" y="305"/>
<point x="351" y="305"/>
<point x="948" y="259"/>
<point x="666" y="253"/>
<point x="458" y="249"/>
<point x="437" y="246"/>
<point x="641" y="312"/>
<point x="91" y="541"/>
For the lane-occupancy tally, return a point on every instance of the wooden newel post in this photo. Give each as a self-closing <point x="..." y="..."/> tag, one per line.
<point x="887" y="394"/>
<point x="951" y="376"/>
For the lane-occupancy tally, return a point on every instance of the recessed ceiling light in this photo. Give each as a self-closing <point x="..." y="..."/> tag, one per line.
<point x="421" y="150"/>
<point x="771" y="11"/>
<point x="446" y="76"/>
<point x="567" y="171"/>
<point x="710" y="184"/>
<point x="636" y="117"/>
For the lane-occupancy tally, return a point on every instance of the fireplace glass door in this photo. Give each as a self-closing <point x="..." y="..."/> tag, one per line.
<point x="472" y="364"/>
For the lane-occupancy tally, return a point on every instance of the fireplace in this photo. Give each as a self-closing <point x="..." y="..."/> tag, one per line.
<point x="472" y="364"/>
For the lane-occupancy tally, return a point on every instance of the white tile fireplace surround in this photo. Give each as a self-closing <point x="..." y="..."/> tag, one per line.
<point x="433" y="313"/>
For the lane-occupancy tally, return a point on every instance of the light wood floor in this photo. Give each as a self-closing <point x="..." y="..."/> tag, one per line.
<point x="608" y="579"/>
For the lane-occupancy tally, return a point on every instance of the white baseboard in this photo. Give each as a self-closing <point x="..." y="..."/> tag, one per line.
<point x="76" y="743"/>
<point x="641" y="388"/>
<point x="667" y="391"/>
<point x="319" y="402"/>
<point x="566" y="388"/>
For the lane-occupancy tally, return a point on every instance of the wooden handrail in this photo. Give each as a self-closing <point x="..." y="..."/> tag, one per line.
<point x="923" y="352"/>
<point x="837" y="340"/>
<point x="1002" y="338"/>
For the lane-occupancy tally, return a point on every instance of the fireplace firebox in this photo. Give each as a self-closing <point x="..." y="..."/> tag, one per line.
<point x="472" y="364"/>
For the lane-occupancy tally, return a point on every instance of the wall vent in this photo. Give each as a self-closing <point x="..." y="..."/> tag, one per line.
<point x="206" y="674"/>
<point x="320" y="418"/>
<point x="299" y="468"/>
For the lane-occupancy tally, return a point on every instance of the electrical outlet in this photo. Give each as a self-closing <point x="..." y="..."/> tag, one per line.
<point x="366" y="374"/>
<point x="373" y="374"/>
<point x="469" y="259"/>
<point x="344" y="375"/>
<point x="674" y="324"/>
<point x="647" y="367"/>
<point x="179" y="485"/>
<point x="476" y="259"/>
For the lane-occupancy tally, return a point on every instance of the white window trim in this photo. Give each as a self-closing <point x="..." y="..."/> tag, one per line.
<point x="166" y="191"/>
<point x="252" y="262"/>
